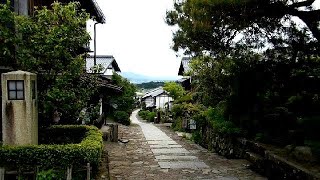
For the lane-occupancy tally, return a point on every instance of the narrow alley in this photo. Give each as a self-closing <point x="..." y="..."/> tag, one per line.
<point x="156" y="152"/>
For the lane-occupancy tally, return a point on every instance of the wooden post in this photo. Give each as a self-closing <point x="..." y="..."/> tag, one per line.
<point x="69" y="173"/>
<point x="2" y="172"/>
<point x="114" y="132"/>
<point x="88" y="171"/>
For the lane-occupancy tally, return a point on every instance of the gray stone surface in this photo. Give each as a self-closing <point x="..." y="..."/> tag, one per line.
<point x="170" y="151"/>
<point x="185" y="158"/>
<point x="137" y="160"/>
<point x="154" y="146"/>
<point x="183" y="165"/>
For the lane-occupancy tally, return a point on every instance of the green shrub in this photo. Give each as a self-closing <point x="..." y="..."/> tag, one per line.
<point x="150" y="116"/>
<point x="47" y="175"/>
<point x="197" y="137"/>
<point x="177" y="110"/>
<point x="122" y="117"/>
<point x="186" y="98"/>
<point x="143" y="114"/>
<point x="47" y="156"/>
<point x="215" y="116"/>
<point x="177" y="125"/>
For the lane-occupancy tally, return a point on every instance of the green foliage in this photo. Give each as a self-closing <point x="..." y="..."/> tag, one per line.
<point x="150" y="116"/>
<point x="122" y="117"/>
<point x="125" y="100"/>
<point x="186" y="98"/>
<point x="46" y="175"/>
<point x="254" y="60"/>
<point x="147" y="115"/>
<point x="143" y="114"/>
<point x="177" y="125"/>
<point x="150" y="85"/>
<point x="215" y="116"/>
<point x="175" y="90"/>
<point x="197" y="137"/>
<point x="7" y="35"/>
<point x="47" y="156"/>
<point x="50" y="44"/>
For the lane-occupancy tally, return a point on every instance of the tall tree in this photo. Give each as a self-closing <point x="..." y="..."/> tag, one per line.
<point x="50" y="43"/>
<point x="175" y="90"/>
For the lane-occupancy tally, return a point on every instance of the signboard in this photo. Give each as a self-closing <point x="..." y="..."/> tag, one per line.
<point x="192" y="124"/>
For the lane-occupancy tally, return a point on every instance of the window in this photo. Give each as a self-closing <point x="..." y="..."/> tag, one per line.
<point x="16" y="90"/>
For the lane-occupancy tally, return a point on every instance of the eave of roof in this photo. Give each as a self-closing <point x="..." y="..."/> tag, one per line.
<point x="91" y="7"/>
<point x="113" y="62"/>
<point x="99" y="16"/>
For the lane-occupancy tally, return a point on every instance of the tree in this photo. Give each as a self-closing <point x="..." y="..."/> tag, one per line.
<point x="125" y="101"/>
<point x="7" y="35"/>
<point x="50" y="44"/>
<point x="175" y="90"/>
<point x="212" y="26"/>
<point x="252" y="56"/>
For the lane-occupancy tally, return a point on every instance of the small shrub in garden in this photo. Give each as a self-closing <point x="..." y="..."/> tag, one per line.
<point x="47" y="156"/>
<point x="122" y="117"/>
<point x="177" y="125"/>
<point x="143" y="114"/>
<point x="151" y="116"/>
<point x="219" y="124"/>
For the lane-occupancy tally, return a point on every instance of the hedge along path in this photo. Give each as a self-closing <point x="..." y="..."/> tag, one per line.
<point x="48" y="156"/>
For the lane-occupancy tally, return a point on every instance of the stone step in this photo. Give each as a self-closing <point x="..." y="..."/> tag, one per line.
<point x="257" y="161"/>
<point x="161" y="146"/>
<point x="174" y="157"/>
<point x="170" y="151"/>
<point x="183" y="165"/>
<point x="162" y="142"/>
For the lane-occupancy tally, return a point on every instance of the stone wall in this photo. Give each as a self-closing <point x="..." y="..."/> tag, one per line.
<point x="262" y="160"/>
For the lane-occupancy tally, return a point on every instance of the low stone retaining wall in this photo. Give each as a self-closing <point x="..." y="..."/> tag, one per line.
<point x="263" y="161"/>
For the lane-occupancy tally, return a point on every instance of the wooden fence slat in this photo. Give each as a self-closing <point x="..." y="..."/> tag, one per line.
<point x="69" y="173"/>
<point x="2" y="172"/>
<point x="88" y="171"/>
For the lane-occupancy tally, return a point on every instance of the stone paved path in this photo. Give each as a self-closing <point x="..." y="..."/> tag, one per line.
<point x="156" y="152"/>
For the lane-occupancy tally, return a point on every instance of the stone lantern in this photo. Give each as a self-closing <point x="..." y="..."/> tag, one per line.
<point x="19" y="108"/>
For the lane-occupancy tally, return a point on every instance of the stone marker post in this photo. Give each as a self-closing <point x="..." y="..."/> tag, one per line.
<point x="19" y="108"/>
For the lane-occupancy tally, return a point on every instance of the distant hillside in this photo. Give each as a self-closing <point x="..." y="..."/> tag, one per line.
<point x="150" y="85"/>
<point x="139" y="78"/>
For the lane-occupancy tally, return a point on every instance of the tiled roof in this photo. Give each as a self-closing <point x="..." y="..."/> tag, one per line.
<point x="154" y="92"/>
<point x="104" y="60"/>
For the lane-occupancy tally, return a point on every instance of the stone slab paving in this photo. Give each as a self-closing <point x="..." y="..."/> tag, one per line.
<point x="156" y="152"/>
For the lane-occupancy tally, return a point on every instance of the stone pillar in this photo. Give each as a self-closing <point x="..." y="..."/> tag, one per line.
<point x="19" y="108"/>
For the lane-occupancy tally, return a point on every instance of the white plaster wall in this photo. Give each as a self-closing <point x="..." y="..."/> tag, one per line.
<point x="161" y="100"/>
<point x="148" y="100"/>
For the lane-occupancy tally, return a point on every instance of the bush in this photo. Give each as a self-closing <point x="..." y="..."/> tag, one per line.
<point x="48" y="156"/>
<point x="150" y="116"/>
<point x="122" y="117"/>
<point x="143" y="114"/>
<point x="177" y="125"/>
<point x="215" y="116"/>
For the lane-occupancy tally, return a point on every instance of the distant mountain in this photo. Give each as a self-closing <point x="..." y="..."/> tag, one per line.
<point x="150" y="85"/>
<point x="139" y="78"/>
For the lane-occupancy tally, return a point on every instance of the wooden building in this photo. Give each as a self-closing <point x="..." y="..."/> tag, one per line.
<point x="26" y="7"/>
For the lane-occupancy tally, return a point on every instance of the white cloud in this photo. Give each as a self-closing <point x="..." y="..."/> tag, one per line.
<point x="136" y="34"/>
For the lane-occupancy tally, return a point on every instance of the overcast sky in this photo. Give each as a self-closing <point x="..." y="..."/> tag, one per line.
<point x="136" y="34"/>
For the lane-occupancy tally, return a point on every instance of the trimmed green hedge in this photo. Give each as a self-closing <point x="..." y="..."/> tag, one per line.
<point x="55" y="155"/>
<point x="122" y="117"/>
